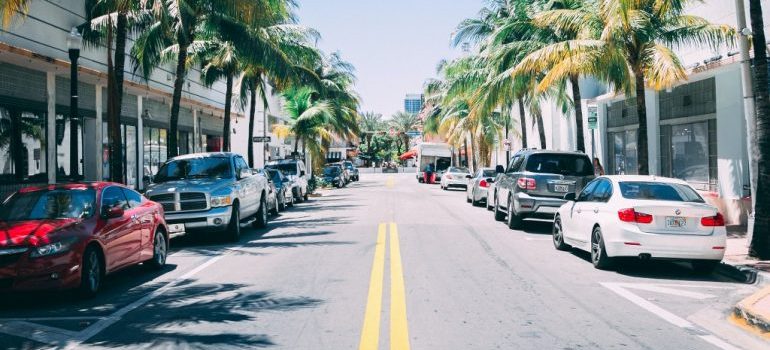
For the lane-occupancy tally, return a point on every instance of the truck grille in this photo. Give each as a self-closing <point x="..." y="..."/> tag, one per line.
<point x="186" y="201"/>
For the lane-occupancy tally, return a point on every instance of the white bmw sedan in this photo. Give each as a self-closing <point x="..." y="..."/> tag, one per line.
<point x="641" y="216"/>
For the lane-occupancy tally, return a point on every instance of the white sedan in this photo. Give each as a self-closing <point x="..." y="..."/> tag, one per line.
<point x="641" y="216"/>
<point x="455" y="177"/>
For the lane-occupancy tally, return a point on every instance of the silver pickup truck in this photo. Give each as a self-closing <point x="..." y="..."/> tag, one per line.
<point x="209" y="192"/>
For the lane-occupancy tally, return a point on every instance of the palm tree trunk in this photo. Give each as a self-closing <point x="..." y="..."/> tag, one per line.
<point x="641" y="111"/>
<point x="173" y="127"/>
<point x="252" y="112"/>
<point x="760" y="242"/>
<point x="523" y="122"/>
<point x="581" y="145"/>
<point x="296" y="144"/>
<point x="115" y="100"/>
<point x="540" y="129"/>
<point x="228" y="104"/>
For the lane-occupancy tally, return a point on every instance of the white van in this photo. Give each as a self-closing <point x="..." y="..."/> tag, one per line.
<point x="438" y="154"/>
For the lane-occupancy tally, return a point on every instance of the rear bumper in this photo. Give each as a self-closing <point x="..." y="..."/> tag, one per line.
<point x="456" y="183"/>
<point x="541" y="207"/>
<point x="629" y="241"/>
<point x="212" y="220"/>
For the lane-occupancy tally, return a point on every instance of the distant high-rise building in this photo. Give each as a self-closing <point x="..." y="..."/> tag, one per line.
<point x="413" y="103"/>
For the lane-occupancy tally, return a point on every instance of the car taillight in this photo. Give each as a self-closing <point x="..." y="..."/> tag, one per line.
<point x="483" y="183"/>
<point x="526" y="183"/>
<point x="712" y="221"/>
<point x="631" y="215"/>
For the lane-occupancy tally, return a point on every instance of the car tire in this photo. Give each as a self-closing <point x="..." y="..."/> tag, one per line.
<point x="282" y="203"/>
<point x="599" y="257"/>
<point x="234" y="227"/>
<point x="261" y="221"/>
<point x="299" y="196"/>
<point x="705" y="267"/>
<point x="91" y="273"/>
<point x="558" y="236"/>
<point x="159" y="251"/>
<point x="474" y="201"/>
<point x="499" y="215"/>
<point x="514" y="220"/>
<point x="305" y="198"/>
<point x="276" y="207"/>
<point x="291" y="202"/>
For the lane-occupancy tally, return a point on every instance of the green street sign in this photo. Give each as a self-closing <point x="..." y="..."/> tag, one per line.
<point x="592" y="118"/>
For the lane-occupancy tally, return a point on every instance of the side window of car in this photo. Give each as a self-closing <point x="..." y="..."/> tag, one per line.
<point x="134" y="198"/>
<point x="587" y="193"/>
<point x="112" y="197"/>
<point x="240" y="164"/>
<point x="603" y="191"/>
<point x="515" y="164"/>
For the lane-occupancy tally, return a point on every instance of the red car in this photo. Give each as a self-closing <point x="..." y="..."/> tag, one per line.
<point x="71" y="235"/>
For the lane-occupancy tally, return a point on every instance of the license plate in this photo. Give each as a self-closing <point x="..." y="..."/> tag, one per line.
<point x="174" y="228"/>
<point x="676" y="221"/>
<point x="561" y="188"/>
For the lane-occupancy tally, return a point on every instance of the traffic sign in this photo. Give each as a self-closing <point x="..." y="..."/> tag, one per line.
<point x="413" y="133"/>
<point x="260" y="139"/>
<point x="592" y="118"/>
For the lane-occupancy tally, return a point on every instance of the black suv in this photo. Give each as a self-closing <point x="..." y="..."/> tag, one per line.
<point x="535" y="182"/>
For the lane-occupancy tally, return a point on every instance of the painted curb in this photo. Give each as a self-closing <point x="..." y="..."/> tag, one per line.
<point x="747" y="310"/>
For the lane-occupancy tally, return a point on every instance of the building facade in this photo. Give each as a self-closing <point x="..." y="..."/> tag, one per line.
<point x="413" y="103"/>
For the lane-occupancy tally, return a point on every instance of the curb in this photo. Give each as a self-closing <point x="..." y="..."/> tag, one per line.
<point x="748" y="310"/>
<point x="739" y="273"/>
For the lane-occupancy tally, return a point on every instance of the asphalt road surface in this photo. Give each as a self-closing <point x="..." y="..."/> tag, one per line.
<point x="386" y="263"/>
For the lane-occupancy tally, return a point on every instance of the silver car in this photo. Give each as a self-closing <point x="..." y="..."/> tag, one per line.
<point x="455" y="177"/>
<point x="478" y="184"/>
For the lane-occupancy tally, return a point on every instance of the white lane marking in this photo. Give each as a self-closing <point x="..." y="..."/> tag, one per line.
<point x="37" y="332"/>
<point x="65" y="318"/>
<point x="82" y="336"/>
<point x="669" y="317"/>
<point x="537" y="238"/>
<point x="666" y="290"/>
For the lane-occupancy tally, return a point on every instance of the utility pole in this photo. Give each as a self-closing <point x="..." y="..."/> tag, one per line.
<point x="748" y="101"/>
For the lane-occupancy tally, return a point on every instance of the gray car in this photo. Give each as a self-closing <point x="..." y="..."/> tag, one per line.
<point x="535" y="182"/>
<point x="476" y="193"/>
<point x="210" y="193"/>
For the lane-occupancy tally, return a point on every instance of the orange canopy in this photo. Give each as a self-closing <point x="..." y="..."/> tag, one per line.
<point x="408" y="155"/>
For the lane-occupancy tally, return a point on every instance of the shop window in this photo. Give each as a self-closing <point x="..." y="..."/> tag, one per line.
<point x="63" y="154"/>
<point x="213" y="143"/>
<point x="688" y="152"/>
<point x="154" y="149"/>
<point x="22" y="146"/>
<point x="128" y="138"/>
<point x="622" y="153"/>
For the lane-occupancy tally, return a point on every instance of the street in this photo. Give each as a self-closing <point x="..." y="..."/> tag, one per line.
<point x="386" y="263"/>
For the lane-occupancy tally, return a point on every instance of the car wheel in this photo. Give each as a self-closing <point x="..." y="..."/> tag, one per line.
<point x="474" y="201"/>
<point x="261" y="221"/>
<point x="299" y="196"/>
<point x="558" y="236"/>
<point x="305" y="198"/>
<point x="499" y="215"/>
<point x="159" y="251"/>
<point x="276" y="207"/>
<point x="704" y="267"/>
<point x="514" y="220"/>
<point x="91" y="273"/>
<point x="282" y="203"/>
<point x="598" y="253"/>
<point x="291" y="201"/>
<point x="234" y="227"/>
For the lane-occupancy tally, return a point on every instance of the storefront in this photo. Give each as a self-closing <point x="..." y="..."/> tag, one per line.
<point x="622" y="134"/>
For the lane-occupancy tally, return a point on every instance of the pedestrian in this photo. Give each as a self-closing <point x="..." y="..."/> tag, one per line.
<point x="598" y="169"/>
<point x="429" y="173"/>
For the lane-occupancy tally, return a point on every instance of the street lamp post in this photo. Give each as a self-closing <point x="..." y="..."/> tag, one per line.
<point x="74" y="43"/>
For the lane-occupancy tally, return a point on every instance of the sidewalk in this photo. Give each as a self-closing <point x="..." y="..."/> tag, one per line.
<point x="754" y="310"/>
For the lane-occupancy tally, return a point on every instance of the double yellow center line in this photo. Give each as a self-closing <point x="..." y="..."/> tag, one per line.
<point x="399" y="332"/>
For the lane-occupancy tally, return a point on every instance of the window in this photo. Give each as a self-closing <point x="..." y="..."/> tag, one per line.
<point x="22" y="146"/>
<point x="63" y="154"/>
<point x="688" y="152"/>
<point x="113" y="197"/>
<point x="154" y="149"/>
<point x="240" y="165"/>
<point x="515" y="164"/>
<point x="128" y="149"/>
<point x="603" y="191"/>
<point x="191" y="168"/>
<point x="623" y="157"/>
<point x="49" y="204"/>
<point x="587" y="191"/>
<point x="134" y="198"/>
<point x="659" y="191"/>
<point x="564" y="164"/>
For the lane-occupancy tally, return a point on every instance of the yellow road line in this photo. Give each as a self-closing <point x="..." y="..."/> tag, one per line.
<point x="399" y="330"/>
<point x="390" y="182"/>
<point x="370" y="334"/>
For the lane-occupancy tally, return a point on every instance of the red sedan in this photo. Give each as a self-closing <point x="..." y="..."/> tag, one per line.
<point x="71" y="235"/>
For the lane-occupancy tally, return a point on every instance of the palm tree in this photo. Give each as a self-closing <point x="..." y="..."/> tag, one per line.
<point x="633" y="50"/>
<point x="402" y="123"/>
<point x="760" y="242"/>
<point x="310" y="119"/>
<point x="10" y="8"/>
<point x="369" y="124"/>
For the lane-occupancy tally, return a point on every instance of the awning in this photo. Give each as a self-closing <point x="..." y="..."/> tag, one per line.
<point x="408" y="155"/>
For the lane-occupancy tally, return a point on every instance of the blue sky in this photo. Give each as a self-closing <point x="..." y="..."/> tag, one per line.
<point x="395" y="45"/>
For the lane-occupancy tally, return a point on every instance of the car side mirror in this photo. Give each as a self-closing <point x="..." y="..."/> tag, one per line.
<point x="114" y="212"/>
<point x="570" y="197"/>
<point x="244" y="173"/>
<point x="468" y="176"/>
<point x="499" y="169"/>
<point x="302" y="173"/>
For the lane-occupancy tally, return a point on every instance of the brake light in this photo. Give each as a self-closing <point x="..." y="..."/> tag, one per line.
<point x="713" y="221"/>
<point x="483" y="183"/>
<point x="631" y="215"/>
<point x="526" y="183"/>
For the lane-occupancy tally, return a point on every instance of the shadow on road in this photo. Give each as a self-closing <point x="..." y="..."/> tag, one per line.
<point x="537" y="227"/>
<point x="175" y="318"/>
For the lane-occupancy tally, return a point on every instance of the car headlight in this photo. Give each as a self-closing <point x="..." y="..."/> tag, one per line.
<point x="221" y="201"/>
<point x="52" y="248"/>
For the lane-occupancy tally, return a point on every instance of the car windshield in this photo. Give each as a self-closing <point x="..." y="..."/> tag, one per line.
<point x="489" y="173"/>
<point x="662" y="191"/>
<point x="49" y="204"/>
<point x="453" y="169"/>
<point x="275" y="175"/>
<point x="194" y="168"/>
<point x="331" y="170"/>
<point x="563" y="164"/>
<point x="286" y="168"/>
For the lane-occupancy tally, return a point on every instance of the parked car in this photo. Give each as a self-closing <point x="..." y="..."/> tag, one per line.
<point x="476" y="190"/>
<point x="389" y="168"/>
<point x="273" y="194"/>
<point x="455" y="177"/>
<point x="295" y="170"/>
<point x="352" y="169"/>
<point x="284" y="187"/>
<point x="535" y="182"/>
<point x="333" y="174"/>
<point x="641" y="216"/>
<point x="346" y="175"/>
<point x="210" y="192"/>
<point x="71" y="235"/>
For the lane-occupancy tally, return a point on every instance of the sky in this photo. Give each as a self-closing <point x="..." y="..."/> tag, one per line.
<point x="395" y="45"/>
